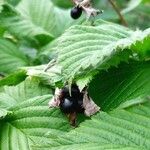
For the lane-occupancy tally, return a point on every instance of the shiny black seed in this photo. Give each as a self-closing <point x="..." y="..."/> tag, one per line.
<point x="76" y="12"/>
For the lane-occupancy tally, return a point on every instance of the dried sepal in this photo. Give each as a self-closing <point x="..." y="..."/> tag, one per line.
<point x="87" y="7"/>
<point x="55" y="101"/>
<point x="82" y="2"/>
<point x="91" y="11"/>
<point x="90" y="107"/>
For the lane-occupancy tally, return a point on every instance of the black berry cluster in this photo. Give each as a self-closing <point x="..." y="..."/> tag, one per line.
<point x="71" y="103"/>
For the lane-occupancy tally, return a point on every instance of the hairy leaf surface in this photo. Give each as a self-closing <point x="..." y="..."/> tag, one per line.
<point x="119" y="129"/>
<point x="30" y="120"/>
<point x="84" y="50"/>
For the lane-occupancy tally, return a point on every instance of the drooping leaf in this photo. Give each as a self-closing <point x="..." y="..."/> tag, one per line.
<point x="84" y="50"/>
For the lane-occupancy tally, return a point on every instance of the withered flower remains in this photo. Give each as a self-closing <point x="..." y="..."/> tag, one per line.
<point x="73" y="103"/>
<point x="86" y="6"/>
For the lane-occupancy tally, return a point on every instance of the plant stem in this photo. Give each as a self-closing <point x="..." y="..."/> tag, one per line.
<point x="123" y="21"/>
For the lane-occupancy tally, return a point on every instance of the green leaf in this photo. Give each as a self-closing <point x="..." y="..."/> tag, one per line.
<point x="84" y="50"/>
<point x="133" y="102"/>
<point x="143" y="49"/>
<point x="50" y="77"/>
<point x="88" y="146"/>
<point x="30" y="122"/>
<point x="83" y="82"/>
<point x="119" y="129"/>
<point x="117" y="85"/>
<point x="38" y="21"/>
<point x="14" y="78"/>
<point x="11" y="58"/>
<point x="30" y="88"/>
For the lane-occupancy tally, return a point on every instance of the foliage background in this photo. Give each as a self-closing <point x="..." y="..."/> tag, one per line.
<point x="111" y="59"/>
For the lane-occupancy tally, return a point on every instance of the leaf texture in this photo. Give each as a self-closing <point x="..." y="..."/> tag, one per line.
<point x="84" y="50"/>
<point x="11" y="58"/>
<point x="30" y="122"/>
<point x="34" y="20"/>
<point x="120" y="129"/>
<point x="117" y="85"/>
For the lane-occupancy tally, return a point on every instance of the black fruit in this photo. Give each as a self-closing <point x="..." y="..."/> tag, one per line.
<point x="70" y="105"/>
<point x="73" y="103"/>
<point x="76" y="12"/>
<point x="67" y="105"/>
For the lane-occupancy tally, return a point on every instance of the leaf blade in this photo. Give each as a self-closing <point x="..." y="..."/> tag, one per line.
<point x="85" y="50"/>
<point x="121" y="128"/>
<point x="11" y="58"/>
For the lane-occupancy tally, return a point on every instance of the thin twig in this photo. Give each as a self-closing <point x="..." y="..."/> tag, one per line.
<point x="123" y="21"/>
